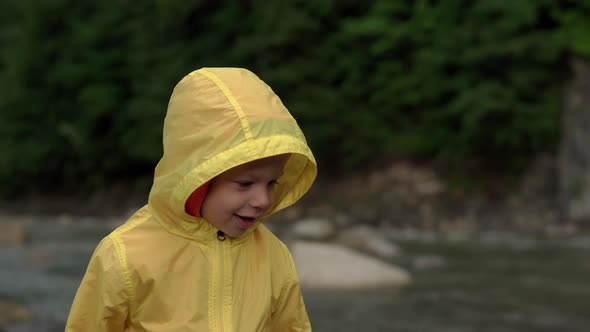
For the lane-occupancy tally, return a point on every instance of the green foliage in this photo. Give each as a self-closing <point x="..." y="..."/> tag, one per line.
<point x="575" y="22"/>
<point x="451" y="79"/>
<point x="85" y="84"/>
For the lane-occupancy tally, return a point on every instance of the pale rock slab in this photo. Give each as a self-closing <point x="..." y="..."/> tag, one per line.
<point x="369" y="240"/>
<point x="330" y="266"/>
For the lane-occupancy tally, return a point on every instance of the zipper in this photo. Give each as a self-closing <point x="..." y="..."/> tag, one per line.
<point x="221" y="238"/>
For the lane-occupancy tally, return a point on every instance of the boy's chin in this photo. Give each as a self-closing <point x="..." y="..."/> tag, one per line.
<point x="234" y="233"/>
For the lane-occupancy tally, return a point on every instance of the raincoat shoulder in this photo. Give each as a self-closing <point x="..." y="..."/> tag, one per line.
<point x="102" y="300"/>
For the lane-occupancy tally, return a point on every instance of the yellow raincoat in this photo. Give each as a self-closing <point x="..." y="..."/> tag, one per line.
<point x="164" y="270"/>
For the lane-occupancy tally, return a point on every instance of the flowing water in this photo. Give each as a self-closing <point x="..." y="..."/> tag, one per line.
<point x="496" y="282"/>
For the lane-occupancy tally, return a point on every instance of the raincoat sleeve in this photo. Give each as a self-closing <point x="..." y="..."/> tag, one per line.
<point x="101" y="303"/>
<point x="290" y="314"/>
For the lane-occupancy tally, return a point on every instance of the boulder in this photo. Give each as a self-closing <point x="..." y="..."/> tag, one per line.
<point x="369" y="240"/>
<point x="12" y="312"/>
<point x="12" y="234"/>
<point x="313" y="229"/>
<point x="331" y="266"/>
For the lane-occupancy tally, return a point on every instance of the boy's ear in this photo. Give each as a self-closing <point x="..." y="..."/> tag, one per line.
<point x="195" y="200"/>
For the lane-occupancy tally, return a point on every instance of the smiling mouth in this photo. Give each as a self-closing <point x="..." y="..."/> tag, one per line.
<point x="245" y="222"/>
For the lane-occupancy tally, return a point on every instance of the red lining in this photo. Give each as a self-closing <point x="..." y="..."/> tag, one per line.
<point x="195" y="200"/>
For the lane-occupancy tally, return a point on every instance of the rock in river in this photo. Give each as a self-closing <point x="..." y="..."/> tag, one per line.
<point x="333" y="266"/>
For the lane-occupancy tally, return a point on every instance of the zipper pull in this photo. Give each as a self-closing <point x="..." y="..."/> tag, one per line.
<point x="220" y="236"/>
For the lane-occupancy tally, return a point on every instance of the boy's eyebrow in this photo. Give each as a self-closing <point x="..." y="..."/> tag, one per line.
<point x="249" y="175"/>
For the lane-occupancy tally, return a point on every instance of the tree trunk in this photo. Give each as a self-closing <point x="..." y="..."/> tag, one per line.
<point x="574" y="154"/>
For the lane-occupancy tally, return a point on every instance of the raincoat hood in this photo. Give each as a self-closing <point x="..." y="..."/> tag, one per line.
<point x="219" y="118"/>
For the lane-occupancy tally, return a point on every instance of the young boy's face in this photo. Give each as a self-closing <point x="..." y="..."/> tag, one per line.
<point x="243" y="194"/>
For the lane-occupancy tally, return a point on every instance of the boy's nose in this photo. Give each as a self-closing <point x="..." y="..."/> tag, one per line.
<point x="262" y="198"/>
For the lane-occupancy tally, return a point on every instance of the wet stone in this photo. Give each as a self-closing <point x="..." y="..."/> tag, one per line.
<point x="12" y="312"/>
<point x="12" y="234"/>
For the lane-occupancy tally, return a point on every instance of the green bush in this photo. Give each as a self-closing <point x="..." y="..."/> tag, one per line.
<point x="85" y="84"/>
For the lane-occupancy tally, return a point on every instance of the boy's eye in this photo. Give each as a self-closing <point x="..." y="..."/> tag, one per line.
<point x="244" y="184"/>
<point x="247" y="184"/>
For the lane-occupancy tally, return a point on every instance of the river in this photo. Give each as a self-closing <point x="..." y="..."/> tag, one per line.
<point x="489" y="282"/>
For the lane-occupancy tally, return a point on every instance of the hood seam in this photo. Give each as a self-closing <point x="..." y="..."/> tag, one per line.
<point x="252" y="151"/>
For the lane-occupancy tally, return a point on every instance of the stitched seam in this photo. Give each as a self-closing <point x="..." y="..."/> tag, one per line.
<point x="289" y="281"/>
<point x="228" y="291"/>
<point x="213" y="297"/>
<point x="129" y="225"/>
<point x="122" y="256"/>
<point x="237" y="107"/>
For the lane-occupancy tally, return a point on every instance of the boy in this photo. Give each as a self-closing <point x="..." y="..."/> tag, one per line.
<point x="197" y="257"/>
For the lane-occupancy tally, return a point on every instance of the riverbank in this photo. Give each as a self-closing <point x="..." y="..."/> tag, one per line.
<point x="400" y="194"/>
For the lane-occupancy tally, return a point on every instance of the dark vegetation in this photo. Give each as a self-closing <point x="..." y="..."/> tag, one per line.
<point x="464" y="84"/>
